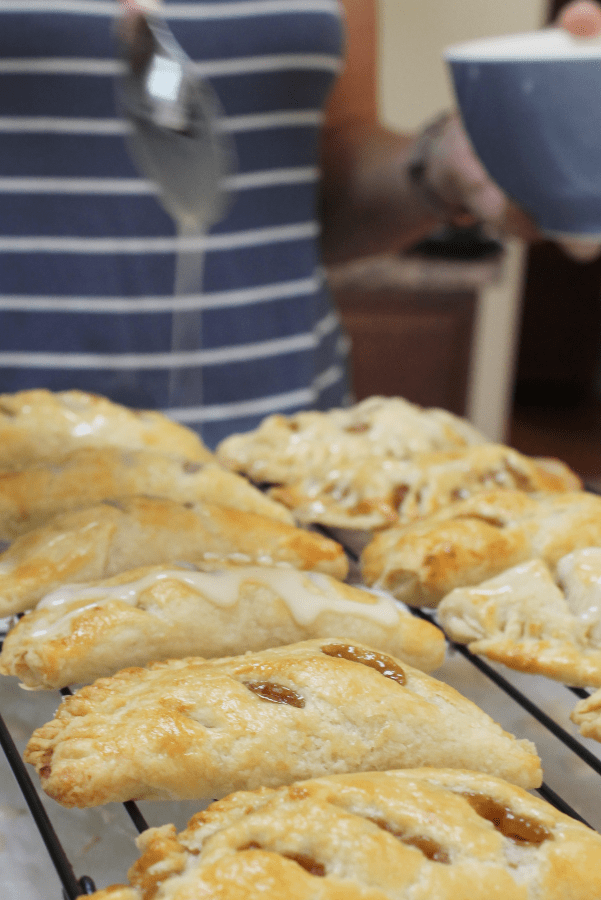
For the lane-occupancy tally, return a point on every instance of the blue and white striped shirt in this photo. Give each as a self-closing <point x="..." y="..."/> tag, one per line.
<point x="87" y="254"/>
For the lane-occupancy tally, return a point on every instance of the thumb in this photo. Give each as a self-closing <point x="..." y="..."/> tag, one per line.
<point x="581" y="18"/>
<point x="581" y="250"/>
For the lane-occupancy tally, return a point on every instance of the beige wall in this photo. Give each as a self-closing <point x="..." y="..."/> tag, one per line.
<point x="414" y="87"/>
<point x="413" y="33"/>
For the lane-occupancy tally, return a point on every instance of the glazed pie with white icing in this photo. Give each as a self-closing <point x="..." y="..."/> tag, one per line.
<point x="195" y="728"/>
<point x="373" y="493"/>
<point x="380" y="462"/>
<point x="109" y="538"/>
<point x="472" y="540"/>
<point x="31" y="496"/>
<point x="535" y="618"/>
<point x="286" y="449"/>
<point x="82" y="632"/>
<point x="40" y="424"/>
<point x="422" y="834"/>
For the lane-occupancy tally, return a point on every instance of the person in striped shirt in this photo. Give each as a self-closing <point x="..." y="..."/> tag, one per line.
<point x="89" y="257"/>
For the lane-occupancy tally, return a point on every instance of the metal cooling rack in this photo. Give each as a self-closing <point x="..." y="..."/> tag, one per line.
<point x="527" y="706"/>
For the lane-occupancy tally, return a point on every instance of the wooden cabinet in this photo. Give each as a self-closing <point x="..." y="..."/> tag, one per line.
<point x="558" y="363"/>
<point x="558" y="360"/>
<point x="411" y="322"/>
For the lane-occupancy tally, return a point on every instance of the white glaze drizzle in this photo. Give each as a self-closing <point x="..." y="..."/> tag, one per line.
<point x="306" y="594"/>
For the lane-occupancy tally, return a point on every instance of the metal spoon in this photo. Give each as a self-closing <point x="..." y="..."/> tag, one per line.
<point x="175" y="139"/>
<point x="176" y="143"/>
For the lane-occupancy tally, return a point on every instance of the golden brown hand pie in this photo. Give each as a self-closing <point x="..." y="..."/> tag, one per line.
<point x="286" y="449"/>
<point x="566" y="478"/>
<point x="421" y="834"/>
<point x="31" y="496"/>
<point x="373" y="493"/>
<point x="535" y="619"/>
<point x="474" y="539"/>
<point x="82" y="632"/>
<point x="40" y="424"/>
<point x="103" y="540"/>
<point x="587" y="715"/>
<point x="194" y="728"/>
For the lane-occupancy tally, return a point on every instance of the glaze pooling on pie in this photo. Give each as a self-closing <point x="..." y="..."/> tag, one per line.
<point x="185" y="729"/>
<point x="423" y="834"/>
<point x="31" y="496"/>
<point x="475" y="539"/>
<point x="534" y="618"/>
<point x="40" y="424"/>
<point x="111" y="537"/>
<point x="82" y="632"/>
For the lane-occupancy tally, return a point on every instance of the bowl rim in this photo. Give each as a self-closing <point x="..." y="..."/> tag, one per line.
<point x="544" y="45"/>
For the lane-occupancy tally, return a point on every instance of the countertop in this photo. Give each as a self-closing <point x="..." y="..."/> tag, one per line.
<point x="416" y="272"/>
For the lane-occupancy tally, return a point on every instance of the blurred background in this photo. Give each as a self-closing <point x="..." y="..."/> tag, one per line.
<point x="502" y="333"/>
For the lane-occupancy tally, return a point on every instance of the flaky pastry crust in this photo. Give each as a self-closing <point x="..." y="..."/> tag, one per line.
<point x="83" y="632"/>
<point x="587" y="716"/>
<point x="103" y="540"/>
<point x="535" y="619"/>
<point x="374" y="493"/>
<point x="29" y="497"/>
<point x="286" y="449"/>
<point x="475" y="539"/>
<point x="40" y="424"/>
<point x="421" y="834"/>
<point x="382" y="461"/>
<point x="194" y="728"/>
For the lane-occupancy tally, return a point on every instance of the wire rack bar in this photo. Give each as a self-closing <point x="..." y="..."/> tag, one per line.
<point x="136" y="816"/>
<point x="559" y="803"/>
<point x="71" y="886"/>
<point x="580" y="692"/>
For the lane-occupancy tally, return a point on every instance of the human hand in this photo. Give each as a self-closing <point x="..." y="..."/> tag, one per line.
<point x="581" y="18"/>
<point x="132" y="30"/>
<point x="140" y="6"/>
<point x="454" y="174"/>
<point x="130" y="12"/>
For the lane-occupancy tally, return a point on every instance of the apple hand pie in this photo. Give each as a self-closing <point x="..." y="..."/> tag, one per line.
<point x="374" y="493"/>
<point x="40" y="424"/>
<point x="475" y="539"/>
<point x="421" y="834"/>
<point x="196" y="728"/>
<point x="31" y="496"/>
<point x="111" y="537"/>
<point x="82" y="632"/>
<point x="587" y="716"/>
<point x="286" y="449"/>
<point x="534" y="619"/>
